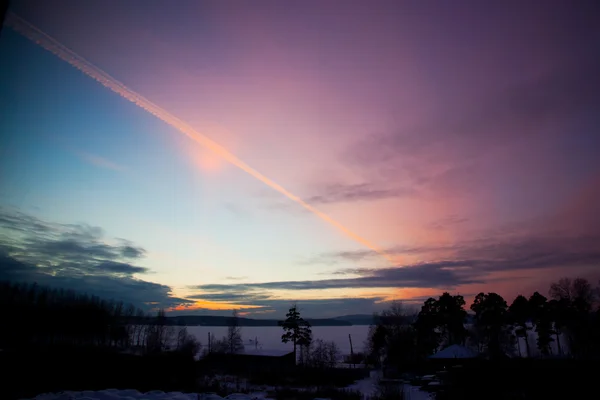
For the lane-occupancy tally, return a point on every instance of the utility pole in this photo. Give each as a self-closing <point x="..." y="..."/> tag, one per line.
<point x="351" y="350"/>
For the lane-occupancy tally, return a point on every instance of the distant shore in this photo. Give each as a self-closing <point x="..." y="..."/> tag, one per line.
<point x="214" y="320"/>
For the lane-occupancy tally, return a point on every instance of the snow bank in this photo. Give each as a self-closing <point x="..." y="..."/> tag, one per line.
<point x="367" y="387"/>
<point x="131" y="394"/>
<point x="415" y="393"/>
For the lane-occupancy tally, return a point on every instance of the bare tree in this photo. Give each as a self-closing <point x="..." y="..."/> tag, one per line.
<point x="394" y="337"/>
<point x="158" y="334"/>
<point x="139" y="327"/>
<point x="234" y="340"/>
<point x="322" y="354"/>
<point x="219" y="345"/>
<point x="187" y="343"/>
<point x="305" y="352"/>
<point x="562" y="290"/>
<point x="578" y="291"/>
<point x="571" y="314"/>
<point x="333" y="354"/>
<point x="129" y="325"/>
<point x="476" y="338"/>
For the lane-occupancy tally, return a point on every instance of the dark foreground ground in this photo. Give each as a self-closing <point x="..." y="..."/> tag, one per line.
<point x="523" y="379"/>
<point x="32" y="372"/>
<point x="29" y="373"/>
<point x="35" y="371"/>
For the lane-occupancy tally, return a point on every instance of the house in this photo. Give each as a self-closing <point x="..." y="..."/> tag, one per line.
<point x="454" y="355"/>
<point x="251" y="361"/>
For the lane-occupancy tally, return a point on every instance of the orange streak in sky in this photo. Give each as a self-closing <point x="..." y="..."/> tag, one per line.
<point x="34" y="34"/>
<point x="211" y="305"/>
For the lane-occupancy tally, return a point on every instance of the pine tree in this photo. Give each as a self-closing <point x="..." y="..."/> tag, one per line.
<point x="296" y="329"/>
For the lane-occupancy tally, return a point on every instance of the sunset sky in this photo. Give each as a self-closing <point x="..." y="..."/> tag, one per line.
<point x="432" y="146"/>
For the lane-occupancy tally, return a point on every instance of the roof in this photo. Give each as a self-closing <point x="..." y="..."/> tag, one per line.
<point x="455" y="351"/>
<point x="266" y="352"/>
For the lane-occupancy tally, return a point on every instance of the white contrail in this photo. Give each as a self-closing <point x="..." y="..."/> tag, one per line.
<point x="34" y="34"/>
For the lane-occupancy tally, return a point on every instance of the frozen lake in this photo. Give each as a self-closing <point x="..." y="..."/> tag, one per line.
<point x="269" y="337"/>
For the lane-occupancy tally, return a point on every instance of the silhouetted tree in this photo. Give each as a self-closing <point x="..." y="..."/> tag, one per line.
<point x="186" y="343"/>
<point x="559" y="317"/>
<point x="441" y="322"/>
<point x="322" y="354"/>
<point x="41" y="316"/>
<point x="129" y="325"/>
<point x="159" y="335"/>
<point x="296" y="329"/>
<point x="452" y="318"/>
<point x="375" y="344"/>
<point x="234" y="334"/>
<point x="394" y="336"/>
<point x="219" y="345"/>
<point x="333" y="354"/>
<point x="578" y="292"/>
<point x="520" y="313"/>
<point x="428" y="337"/>
<point x="477" y="338"/>
<point x="490" y="316"/>
<point x="47" y="318"/>
<point x="575" y="300"/>
<point x="543" y="325"/>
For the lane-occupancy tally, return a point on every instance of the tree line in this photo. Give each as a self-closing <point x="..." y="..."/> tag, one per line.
<point x="43" y="317"/>
<point x="36" y="316"/>
<point x="570" y="317"/>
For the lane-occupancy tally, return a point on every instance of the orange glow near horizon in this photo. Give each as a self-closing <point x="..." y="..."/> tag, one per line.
<point x="248" y="313"/>
<point x="408" y="294"/>
<point x="211" y="305"/>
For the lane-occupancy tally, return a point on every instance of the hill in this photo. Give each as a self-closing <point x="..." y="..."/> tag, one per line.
<point x="357" y="319"/>
<point x="214" y="320"/>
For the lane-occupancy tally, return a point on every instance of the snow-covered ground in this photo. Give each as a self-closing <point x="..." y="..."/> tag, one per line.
<point x="414" y="393"/>
<point x="368" y="388"/>
<point x="131" y="394"/>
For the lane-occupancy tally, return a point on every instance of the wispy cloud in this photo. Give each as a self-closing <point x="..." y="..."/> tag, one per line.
<point x="100" y="162"/>
<point x="426" y="275"/>
<point x="542" y="245"/>
<point x="339" y="193"/>
<point x="363" y="255"/>
<point x="486" y="259"/>
<point x="446" y="148"/>
<point x="236" y="209"/>
<point x="447" y="222"/>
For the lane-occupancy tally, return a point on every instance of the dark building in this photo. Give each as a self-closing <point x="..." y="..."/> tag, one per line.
<point x="251" y="361"/>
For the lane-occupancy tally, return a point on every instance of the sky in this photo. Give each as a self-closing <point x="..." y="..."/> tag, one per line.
<point x="342" y="154"/>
